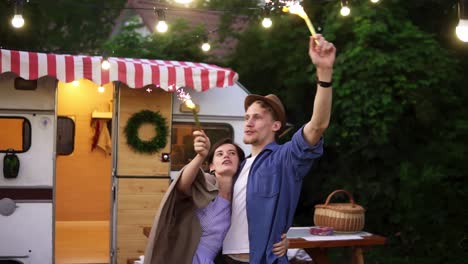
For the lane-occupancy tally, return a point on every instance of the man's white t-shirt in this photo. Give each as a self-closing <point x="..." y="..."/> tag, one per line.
<point x="237" y="238"/>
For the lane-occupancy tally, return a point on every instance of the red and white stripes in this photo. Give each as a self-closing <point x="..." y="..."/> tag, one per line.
<point x="136" y="73"/>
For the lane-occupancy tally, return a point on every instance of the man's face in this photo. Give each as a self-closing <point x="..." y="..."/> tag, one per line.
<point x="259" y="126"/>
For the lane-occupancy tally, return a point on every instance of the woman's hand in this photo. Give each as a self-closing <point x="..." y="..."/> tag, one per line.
<point x="280" y="248"/>
<point x="201" y="143"/>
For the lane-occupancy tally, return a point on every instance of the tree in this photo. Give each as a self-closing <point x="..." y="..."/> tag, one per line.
<point x="182" y="43"/>
<point x="398" y="124"/>
<point x="396" y="86"/>
<point x="59" y="26"/>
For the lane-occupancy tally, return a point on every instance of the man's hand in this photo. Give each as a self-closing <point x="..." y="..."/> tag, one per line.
<point x="322" y="56"/>
<point x="280" y="248"/>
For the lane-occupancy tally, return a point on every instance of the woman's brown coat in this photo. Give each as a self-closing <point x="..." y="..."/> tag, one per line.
<point x="176" y="230"/>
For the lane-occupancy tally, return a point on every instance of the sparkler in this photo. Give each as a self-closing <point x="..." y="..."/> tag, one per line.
<point x="294" y="7"/>
<point x="187" y="100"/>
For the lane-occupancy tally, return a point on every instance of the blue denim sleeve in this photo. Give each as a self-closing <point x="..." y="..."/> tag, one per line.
<point x="303" y="154"/>
<point x="302" y="149"/>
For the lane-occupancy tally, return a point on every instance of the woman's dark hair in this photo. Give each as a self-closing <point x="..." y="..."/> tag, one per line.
<point x="221" y="142"/>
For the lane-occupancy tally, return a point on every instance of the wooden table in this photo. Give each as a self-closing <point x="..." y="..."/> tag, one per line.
<point x="317" y="250"/>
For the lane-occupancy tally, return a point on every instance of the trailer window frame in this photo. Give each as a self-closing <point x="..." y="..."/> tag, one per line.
<point x="70" y="137"/>
<point x="26" y="134"/>
<point x="182" y="144"/>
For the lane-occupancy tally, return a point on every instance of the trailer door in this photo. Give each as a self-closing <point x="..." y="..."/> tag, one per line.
<point x="139" y="179"/>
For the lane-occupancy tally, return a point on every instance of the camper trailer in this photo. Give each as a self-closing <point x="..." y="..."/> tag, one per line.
<point x="75" y="187"/>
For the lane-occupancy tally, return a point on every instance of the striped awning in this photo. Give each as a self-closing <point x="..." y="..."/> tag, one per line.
<point x="136" y="73"/>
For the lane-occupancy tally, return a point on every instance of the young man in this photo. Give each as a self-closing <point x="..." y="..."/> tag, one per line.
<point x="269" y="184"/>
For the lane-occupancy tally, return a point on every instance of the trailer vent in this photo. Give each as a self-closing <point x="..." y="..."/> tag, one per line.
<point x="27" y="85"/>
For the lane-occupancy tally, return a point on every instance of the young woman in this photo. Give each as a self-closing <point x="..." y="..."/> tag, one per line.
<point x="195" y="213"/>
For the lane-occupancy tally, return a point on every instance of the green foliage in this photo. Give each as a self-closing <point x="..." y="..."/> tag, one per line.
<point x="181" y="43"/>
<point x="383" y="69"/>
<point x="398" y="130"/>
<point x="398" y="125"/>
<point x="276" y="61"/>
<point x="65" y="26"/>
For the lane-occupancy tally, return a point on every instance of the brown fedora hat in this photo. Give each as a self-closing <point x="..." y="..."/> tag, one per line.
<point x="271" y="100"/>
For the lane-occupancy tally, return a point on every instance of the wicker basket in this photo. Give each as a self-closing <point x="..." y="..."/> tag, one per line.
<point x="343" y="217"/>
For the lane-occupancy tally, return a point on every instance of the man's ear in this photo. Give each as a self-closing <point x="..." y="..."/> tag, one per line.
<point x="276" y="126"/>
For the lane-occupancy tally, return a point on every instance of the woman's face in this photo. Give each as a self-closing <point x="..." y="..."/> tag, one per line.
<point x="225" y="160"/>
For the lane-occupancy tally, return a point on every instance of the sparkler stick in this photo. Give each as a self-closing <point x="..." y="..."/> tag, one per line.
<point x="296" y="9"/>
<point x="187" y="100"/>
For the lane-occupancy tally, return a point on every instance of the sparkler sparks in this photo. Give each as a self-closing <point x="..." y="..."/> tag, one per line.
<point x="294" y="7"/>
<point x="187" y="100"/>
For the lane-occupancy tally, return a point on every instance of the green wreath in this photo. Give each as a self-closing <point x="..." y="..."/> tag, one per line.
<point x="146" y="146"/>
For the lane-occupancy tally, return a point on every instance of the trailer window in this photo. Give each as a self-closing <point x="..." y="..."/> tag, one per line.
<point x="15" y="134"/>
<point x="182" y="140"/>
<point x="65" y="135"/>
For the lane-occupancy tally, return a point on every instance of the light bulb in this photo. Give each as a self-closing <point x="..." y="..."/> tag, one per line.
<point x="345" y="11"/>
<point x="17" y="21"/>
<point x="161" y="26"/>
<point x="105" y="64"/>
<point x="206" y="46"/>
<point x="462" y="30"/>
<point x="101" y="89"/>
<point x="266" y="22"/>
<point x="374" y="1"/>
<point x="75" y="83"/>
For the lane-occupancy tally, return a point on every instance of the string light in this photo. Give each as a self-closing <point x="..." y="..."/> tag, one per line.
<point x="161" y="26"/>
<point x="105" y="64"/>
<point x="18" y="21"/>
<point x="266" y="22"/>
<point x="462" y="28"/>
<point x="269" y="7"/>
<point x="345" y="11"/>
<point x="205" y="45"/>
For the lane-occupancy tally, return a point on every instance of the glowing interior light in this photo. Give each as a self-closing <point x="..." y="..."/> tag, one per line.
<point x="101" y="89"/>
<point x="161" y="26"/>
<point x="17" y="21"/>
<point x="75" y="83"/>
<point x="266" y="22"/>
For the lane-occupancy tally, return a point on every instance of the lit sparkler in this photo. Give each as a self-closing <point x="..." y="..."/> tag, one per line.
<point x="294" y="7"/>
<point x="187" y="100"/>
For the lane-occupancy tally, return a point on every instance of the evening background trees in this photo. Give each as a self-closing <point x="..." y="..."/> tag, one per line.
<point x="399" y="128"/>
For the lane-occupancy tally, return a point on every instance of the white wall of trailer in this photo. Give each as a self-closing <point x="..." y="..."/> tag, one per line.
<point x="36" y="164"/>
<point x="27" y="234"/>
